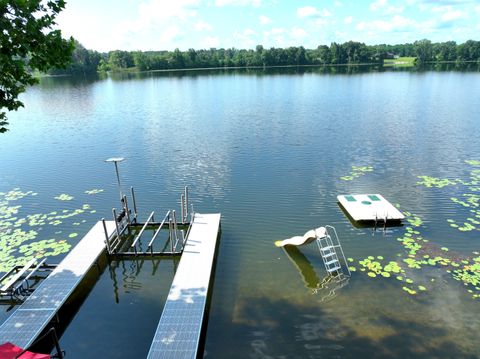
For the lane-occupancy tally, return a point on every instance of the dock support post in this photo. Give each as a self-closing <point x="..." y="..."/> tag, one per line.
<point x="182" y="199"/>
<point x="134" y="204"/>
<point x="175" y="229"/>
<point x="107" y="243"/>
<point x="170" y="229"/>
<point x="116" y="223"/>
<point x="127" y="212"/>
<point x="186" y="204"/>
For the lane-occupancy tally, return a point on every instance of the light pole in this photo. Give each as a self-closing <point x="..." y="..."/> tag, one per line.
<point x="116" y="160"/>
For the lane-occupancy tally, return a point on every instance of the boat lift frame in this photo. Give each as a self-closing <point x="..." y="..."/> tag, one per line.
<point x="126" y="220"/>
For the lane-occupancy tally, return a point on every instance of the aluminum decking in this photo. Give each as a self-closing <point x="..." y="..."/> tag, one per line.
<point x="180" y="326"/>
<point x="29" y="320"/>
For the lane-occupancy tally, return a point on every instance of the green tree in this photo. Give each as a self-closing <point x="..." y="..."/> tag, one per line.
<point x="469" y="51"/>
<point x="27" y="43"/>
<point x="423" y="50"/>
<point x="141" y="61"/>
<point x="324" y="56"/>
<point x="83" y="62"/>
<point x="445" y="51"/>
<point x="120" y="60"/>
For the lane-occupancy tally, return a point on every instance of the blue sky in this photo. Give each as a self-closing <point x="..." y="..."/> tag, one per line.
<point x="168" y="24"/>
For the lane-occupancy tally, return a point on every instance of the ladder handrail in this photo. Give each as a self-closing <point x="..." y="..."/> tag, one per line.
<point x="341" y="248"/>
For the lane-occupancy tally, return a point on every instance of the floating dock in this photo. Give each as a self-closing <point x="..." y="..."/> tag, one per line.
<point x="369" y="207"/>
<point x="33" y="316"/>
<point x="180" y="326"/>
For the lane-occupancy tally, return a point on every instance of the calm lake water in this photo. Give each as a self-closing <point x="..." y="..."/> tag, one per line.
<point x="268" y="150"/>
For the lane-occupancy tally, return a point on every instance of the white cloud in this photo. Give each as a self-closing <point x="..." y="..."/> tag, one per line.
<point x="210" y="41"/>
<point x="337" y="3"/>
<point x="386" y="9"/>
<point x="160" y="24"/>
<point x="452" y="15"/>
<point x="322" y="22"/>
<point x="170" y="34"/>
<point x="447" y="15"/>
<point x="311" y="11"/>
<point x="348" y="20"/>
<point x="278" y="30"/>
<point x="397" y="23"/>
<point x="245" y="39"/>
<point x="299" y="33"/>
<point x="440" y="8"/>
<point x="154" y="10"/>
<point x="254" y="3"/>
<point x="394" y="10"/>
<point x="201" y="25"/>
<point x="264" y="20"/>
<point x="378" y="4"/>
<point x="282" y="37"/>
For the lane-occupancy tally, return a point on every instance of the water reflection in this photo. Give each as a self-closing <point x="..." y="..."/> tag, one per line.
<point x="326" y="288"/>
<point x="267" y="149"/>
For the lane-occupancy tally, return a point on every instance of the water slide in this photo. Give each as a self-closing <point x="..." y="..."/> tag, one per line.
<point x="308" y="237"/>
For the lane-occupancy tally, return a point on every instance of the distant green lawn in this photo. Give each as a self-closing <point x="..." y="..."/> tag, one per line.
<point x="401" y="61"/>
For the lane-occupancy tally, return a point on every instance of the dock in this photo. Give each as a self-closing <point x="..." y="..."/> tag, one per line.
<point x="33" y="316"/>
<point x="369" y="207"/>
<point x="180" y="326"/>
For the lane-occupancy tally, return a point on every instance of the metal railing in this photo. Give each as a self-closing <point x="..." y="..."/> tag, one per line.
<point x="177" y="237"/>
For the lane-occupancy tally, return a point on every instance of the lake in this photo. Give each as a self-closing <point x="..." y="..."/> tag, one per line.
<point x="270" y="150"/>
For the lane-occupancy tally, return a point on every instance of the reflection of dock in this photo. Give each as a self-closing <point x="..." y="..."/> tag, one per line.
<point x="179" y="330"/>
<point x="33" y="316"/>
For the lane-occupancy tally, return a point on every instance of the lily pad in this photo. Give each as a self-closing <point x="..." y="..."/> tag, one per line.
<point x="64" y="197"/>
<point x="94" y="191"/>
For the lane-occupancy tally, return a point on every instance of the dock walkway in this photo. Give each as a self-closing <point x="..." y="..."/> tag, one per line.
<point x="31" y="318"/>
<point x="180" y="326"/>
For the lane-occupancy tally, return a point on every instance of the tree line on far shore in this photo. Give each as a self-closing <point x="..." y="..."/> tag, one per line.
<point x="86" y="61"/>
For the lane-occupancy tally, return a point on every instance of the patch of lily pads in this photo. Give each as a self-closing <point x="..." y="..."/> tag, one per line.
<point x="19" y="233"/>
<point x="428" y="181"/>
<point x="470" y="199"/>
<point x="357" y="171"/>
<point x="419" y="254"/>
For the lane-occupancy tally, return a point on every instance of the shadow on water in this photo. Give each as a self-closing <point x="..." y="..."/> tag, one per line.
<point x="270" y="328"/>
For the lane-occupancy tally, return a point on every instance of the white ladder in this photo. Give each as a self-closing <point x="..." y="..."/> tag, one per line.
<point x="331" y="250"/>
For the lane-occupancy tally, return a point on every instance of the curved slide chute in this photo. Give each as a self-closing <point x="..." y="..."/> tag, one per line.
<point x="308" y="237"/>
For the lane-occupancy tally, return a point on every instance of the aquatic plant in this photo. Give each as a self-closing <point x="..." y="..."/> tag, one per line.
<point x="19" y="233"/>
<point x="64" y="197"/>
<point x="357" y="171"/>
<point x="428" y="181"/>
<point x="94" y="191"/>
<point x="419" y="254"/>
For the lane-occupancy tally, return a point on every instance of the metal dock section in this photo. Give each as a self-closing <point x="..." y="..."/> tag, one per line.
<point x="180" y="326"/>
<point x="31" y="318"/>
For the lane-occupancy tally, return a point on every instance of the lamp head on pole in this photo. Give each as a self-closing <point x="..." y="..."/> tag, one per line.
<point x="115" y="160"/>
